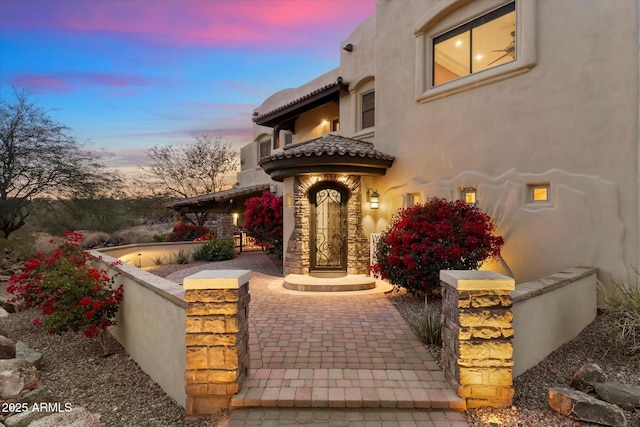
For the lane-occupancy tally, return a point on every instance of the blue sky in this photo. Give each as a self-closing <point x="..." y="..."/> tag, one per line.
<point x="125" y="75"/>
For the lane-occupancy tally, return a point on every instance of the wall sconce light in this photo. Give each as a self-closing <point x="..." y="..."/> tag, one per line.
<point x="374" y="199"/>
<point x="348" y="47"/>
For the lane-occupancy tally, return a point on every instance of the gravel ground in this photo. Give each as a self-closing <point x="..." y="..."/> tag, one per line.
<point x="123" y="395"/>
<point x="530" y="403"/>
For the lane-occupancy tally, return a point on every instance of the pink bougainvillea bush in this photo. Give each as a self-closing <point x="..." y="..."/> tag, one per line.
<point x="70" y="293"/>
<point x="264" y="220"/>
<point x="439" y="235"/>
<point x="189" y="233"/>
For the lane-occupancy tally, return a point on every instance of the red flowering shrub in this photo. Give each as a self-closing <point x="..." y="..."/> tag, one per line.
<point x="69" y="291"/>
<point x="188" y="233"/>
<point x="439" y="235"/>
<point x="264" y="220"/>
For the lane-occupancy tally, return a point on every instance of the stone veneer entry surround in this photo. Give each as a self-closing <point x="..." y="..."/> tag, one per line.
<point x="297" y="255"/>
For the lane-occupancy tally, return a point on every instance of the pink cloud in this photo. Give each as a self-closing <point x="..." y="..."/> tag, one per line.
<point x="256" y="23"/>
<point x="42" y="83"/>
<point x="67" y="82"/>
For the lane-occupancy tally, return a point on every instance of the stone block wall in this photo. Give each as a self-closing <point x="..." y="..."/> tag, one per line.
<point x="216" y="338"/>
<point x="477" y="352"/>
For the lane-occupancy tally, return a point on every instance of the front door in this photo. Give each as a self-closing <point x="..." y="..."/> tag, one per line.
<point x="328" y="229"/>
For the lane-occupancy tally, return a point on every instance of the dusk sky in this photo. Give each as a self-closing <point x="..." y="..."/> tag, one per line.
<point x="125" y="75"/>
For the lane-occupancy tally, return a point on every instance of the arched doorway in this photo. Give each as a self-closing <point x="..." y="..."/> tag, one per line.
<point x="328" y="231"/>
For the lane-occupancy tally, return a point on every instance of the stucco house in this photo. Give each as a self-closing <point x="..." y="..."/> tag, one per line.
<point x="527" y="108"/>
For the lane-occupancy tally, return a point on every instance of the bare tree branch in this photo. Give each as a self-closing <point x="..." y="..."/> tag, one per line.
<point x="39" y="158"/>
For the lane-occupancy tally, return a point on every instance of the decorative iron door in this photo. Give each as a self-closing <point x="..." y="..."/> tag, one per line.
<point x="328" y="226"/>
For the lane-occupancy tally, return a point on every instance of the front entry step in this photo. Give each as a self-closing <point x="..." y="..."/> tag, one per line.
<point x="351" y="282"/>
<point x="347" y="388"/>
<point x="345" y="417"/>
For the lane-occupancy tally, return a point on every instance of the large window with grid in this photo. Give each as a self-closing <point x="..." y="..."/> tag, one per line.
<point x="482" y="43"/>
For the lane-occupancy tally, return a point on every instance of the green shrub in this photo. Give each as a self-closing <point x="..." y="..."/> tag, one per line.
<point x="182" y="257"/>
<point x="158" y="260"/>
<point x="160" y="237"/>
<point x="623" y="309"/>
<point x="215" y="250"/>
<point x="426" y="325"/>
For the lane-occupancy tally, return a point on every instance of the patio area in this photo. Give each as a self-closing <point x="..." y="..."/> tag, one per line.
<point x="346" y="351"/>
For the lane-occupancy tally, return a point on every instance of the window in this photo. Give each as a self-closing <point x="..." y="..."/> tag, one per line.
<point x="368" y="109"/>
<point x="469" y="195"/>
<point x="485" y="42"/>
<point x="539" y="192"/>
<point x="462" y="45"/>
<point x="288" y="138"/>
<point x="335" y="125"/>
<point x="412" y="199"/>
<point x="265" y="148"/>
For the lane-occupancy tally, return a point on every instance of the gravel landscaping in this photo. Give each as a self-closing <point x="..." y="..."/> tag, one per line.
<point x="123" y="395"/>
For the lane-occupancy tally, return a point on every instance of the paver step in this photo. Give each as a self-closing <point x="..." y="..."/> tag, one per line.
<point x="266" y="417"/>
<point x="346" y="388"/>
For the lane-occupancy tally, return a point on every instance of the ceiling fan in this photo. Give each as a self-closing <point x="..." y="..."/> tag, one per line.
<point x="510" y="50"/>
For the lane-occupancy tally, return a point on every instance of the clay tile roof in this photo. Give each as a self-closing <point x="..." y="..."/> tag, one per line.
<point x="329" y="145"/>
<point x="326" y="89"/>
<point x="219" y="197"/>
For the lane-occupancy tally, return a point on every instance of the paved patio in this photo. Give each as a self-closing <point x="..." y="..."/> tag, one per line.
<point x="333" y="359"/>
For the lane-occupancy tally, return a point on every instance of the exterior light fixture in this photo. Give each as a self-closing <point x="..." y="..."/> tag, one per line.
<point x="374" y="199"/>
<point x="348" y="47"/>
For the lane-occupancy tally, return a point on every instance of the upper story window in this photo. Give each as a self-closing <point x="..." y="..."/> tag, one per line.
<point x="484" y="42"/>
<point x="368" y="109"/>
<point x="288" y="138"/>
<point x="462" y="45"/>
<point x="265" y="148"/>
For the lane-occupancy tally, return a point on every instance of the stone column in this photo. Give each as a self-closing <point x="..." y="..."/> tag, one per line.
<point x="216" y="338"/>
<point x="477" y="353"/>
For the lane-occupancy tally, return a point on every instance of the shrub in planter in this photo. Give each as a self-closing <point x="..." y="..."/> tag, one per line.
<point x="439" y="235"/>
<point x="189" y="233"/>
<point x="623" y="313"/>
<point x="69" y="291"/>
<point x="264" y="220"/>
<point x="215" y="250"/>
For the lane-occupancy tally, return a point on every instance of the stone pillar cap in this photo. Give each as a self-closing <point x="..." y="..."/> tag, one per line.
<point x="217" y="279"/>
<point x="476" y="280"/>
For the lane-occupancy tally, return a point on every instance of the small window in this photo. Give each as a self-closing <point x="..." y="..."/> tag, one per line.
<point x="469" y="195"/>
<point x="265" y="148"/>
<point x="412" y="199"/>
<point x="288" y="138"/>
<point x="539" y="193"/>
<point x="485" y="42"/>
<point x="368" y="109"/>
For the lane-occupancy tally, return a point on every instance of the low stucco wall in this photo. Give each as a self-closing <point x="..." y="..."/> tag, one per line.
<point x="146" y="254"/>
<point x="550" y="312"/>
<point x="151" y="324"/>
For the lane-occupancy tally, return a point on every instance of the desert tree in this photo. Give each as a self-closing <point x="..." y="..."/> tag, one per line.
<point x="39" y="159"/>
<point x="203" y="166"/>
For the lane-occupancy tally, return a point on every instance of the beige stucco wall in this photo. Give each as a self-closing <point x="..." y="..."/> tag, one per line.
<point x="572" y="121"/>
<point x="550" y="312"/>
<point x="151" y="325"/>
<point x="146" y="254"/>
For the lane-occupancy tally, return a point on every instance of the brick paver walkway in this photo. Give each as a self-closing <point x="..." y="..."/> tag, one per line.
<point x="333" y="359"/>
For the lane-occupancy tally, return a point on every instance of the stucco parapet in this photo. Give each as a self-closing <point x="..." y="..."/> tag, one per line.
<point x="161" y="286"/>
<point x="474" y="280"/>
<point x="217" y="279"/>
<point x="526" y="290"/>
